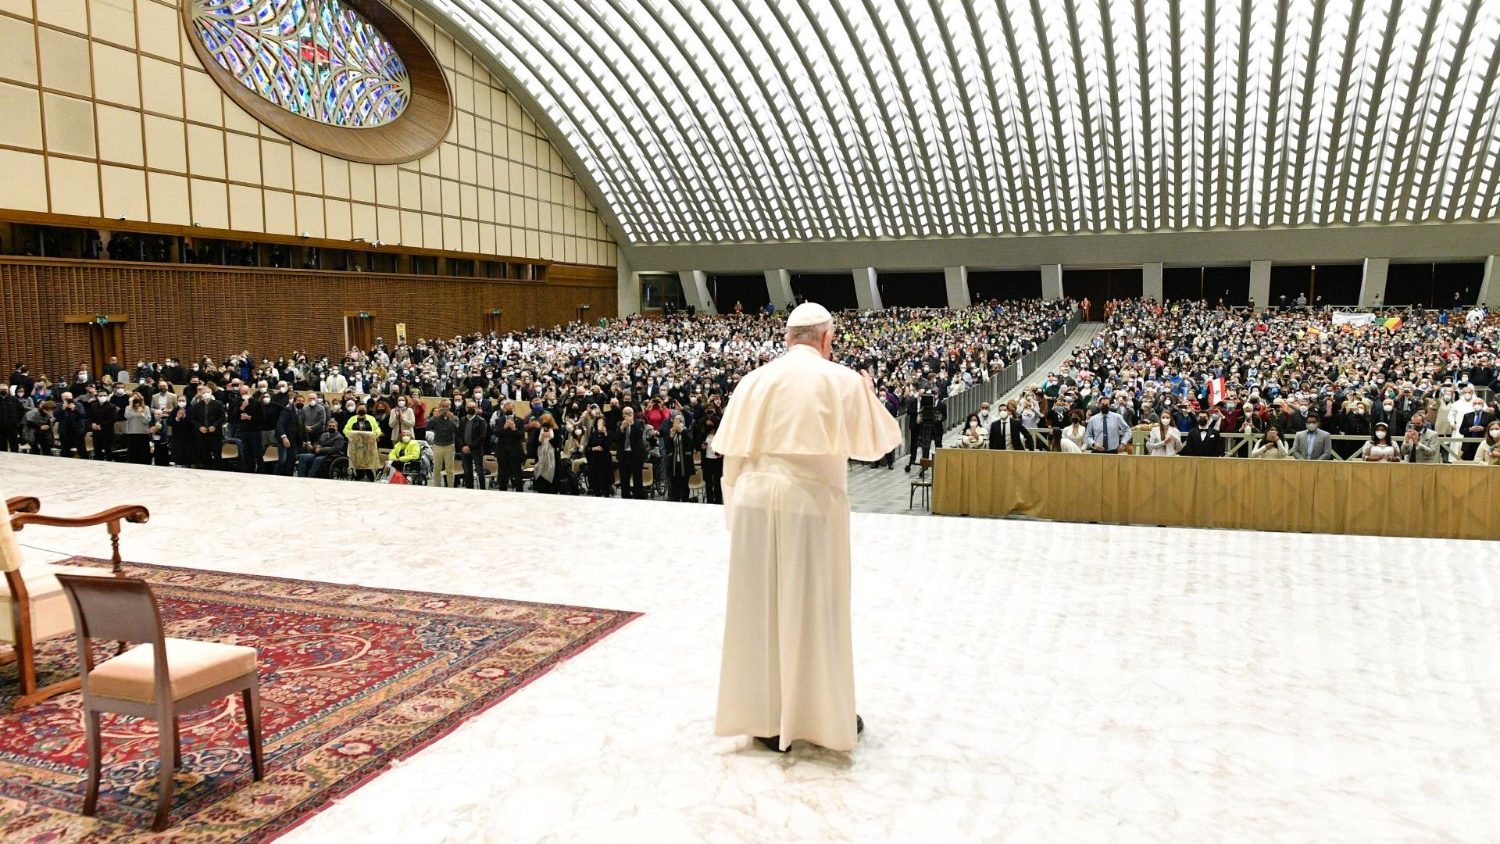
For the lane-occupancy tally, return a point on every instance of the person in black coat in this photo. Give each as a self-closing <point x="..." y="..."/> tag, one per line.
<point x="1008" y="434"/>
<point x="291" y="436"/>
<point x="208" y="417"/>
<point x="1203" y="441"/>
<point x="713" y="463"/>
<point x="601" y="467"/>
<point x="102" y="416"/>
<point x="630" y="446"/>
<point x="1473" y="425"/>
<point x="12" y="414"/>
<point x="510" y="453"/>
<point x="677" y="456"/>
<point x="469" y="442"/>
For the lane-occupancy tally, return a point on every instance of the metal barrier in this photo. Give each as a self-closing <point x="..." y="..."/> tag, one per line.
<point x="960" y="406"/>
<point x="1240" y="443"/>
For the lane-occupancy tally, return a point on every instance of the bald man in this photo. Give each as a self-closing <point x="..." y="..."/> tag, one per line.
<point x="787" y="435"/>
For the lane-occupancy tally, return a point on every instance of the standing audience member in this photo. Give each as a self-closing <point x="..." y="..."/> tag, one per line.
<point x="443" y="430"/>
<point x="1204" y="440"/>
<point x="600" y="465"/>
<point x="1419" y="443"/>
<point x="1313" y="443"/>
<point x="473" y="434"/>
<point x="138" y="426"/>
<point x="630" y="450"/>
<point x="1107" y="432"/>
<point x="1272" y="446"/>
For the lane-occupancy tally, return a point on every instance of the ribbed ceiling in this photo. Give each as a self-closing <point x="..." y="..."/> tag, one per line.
<point x="710" y="121"/>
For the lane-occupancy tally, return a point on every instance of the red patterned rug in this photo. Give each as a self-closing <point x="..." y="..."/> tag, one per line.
<point x="352" y="679"/>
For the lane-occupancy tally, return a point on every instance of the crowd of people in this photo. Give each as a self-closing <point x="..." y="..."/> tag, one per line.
<point x="1293" y="384"/>
<point x="572" y="407"/>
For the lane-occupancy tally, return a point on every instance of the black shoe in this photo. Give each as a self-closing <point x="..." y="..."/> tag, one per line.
<point x="908" y="468"/>
<point x="773" y="743"/>
<point x="890" y="466"/>
<point x="859" y="725"/>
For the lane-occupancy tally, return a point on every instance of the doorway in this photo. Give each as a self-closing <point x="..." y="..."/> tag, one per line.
<point x="106" y="337"/>
<point x="359" y="330"/>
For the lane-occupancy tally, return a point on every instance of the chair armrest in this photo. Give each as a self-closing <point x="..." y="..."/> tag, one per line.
<point x="22" y="504"/>
<point x="133" y="513"/>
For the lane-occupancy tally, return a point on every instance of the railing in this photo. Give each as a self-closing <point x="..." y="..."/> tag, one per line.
<point x="1240" y="443"/>
<point x="958" y="408"/>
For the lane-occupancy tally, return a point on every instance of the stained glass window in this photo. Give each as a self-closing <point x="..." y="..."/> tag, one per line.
<point x="318" y="59"/>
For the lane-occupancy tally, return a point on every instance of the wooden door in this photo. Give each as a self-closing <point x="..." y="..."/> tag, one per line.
<point x="359" y="330"/>
<point x="106" y="338"/>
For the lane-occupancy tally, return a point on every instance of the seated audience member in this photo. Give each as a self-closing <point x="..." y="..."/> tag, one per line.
<point x="1164" y="440"/>
<point x="406" y="454"/>
<point x="1379" y="448"/>
<point x="1314" y="443"/>
<point x="329" y="445"/>
<point x="1271" y="446"/>
<point x="1488" y="452"/>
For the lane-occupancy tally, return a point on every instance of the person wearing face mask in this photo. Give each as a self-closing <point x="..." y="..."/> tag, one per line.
<point x="1488" y="452"/>
<point x="1419" y="443"/>
<point x="406" y="455"/>
<point x="1107" y="432"/>
<point x="330" y="444"/>
<point x="1007" y="433"/>
<point x="1313" y="443"/>
<point x="208" y="415"/>
<point x="1387" y="412"/>
<point x="1164" y="440"/>
<point x="470" y="441"/>
<point x="600" y="463"/>
<point x="1271" y="446"/>
<point x="1379" y="448"/>
<point x="1474" y="424"/>
<point x="402" y="419"/>
<point x="291" y="436"/>
<point x="102" y="416"/>
<point x="363" y="433"/>
<point x="443" y="428"/>
<point x="1204" y="440"/>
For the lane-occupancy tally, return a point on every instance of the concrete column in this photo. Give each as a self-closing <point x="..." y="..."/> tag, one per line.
<point x="1151" y="286"/>
<point x="627" y="288"/>
<point x="1489" y="288"/>
<point x="1260" y="284"/>
<point x="957" y="281"/>
<point x="1372" y="288"/>
<point x="695" y="291"/>
<point x="1052" y="282"/>
<point x="779" y="286"/>
<point x="866" y="291"/>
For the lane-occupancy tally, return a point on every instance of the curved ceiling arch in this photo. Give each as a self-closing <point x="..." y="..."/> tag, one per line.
<point x="753" y="121"/>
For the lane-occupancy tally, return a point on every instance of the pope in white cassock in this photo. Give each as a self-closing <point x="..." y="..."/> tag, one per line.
<point x="786" y="436"/>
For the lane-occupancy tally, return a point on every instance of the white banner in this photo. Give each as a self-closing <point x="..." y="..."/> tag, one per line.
<point x="1350" y="318"/>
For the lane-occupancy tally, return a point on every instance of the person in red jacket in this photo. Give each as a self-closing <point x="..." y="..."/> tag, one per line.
<point x="657" y="415"/>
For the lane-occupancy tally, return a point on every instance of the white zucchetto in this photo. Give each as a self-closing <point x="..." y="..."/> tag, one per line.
<point x="808" y="313"/>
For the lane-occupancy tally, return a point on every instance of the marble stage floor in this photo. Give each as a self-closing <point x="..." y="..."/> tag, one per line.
<point x="1023" y="681"/>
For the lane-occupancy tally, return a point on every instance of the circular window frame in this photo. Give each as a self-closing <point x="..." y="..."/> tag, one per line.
<point x="417" y="131"/>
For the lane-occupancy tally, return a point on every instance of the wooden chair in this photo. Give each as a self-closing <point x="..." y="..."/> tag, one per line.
<point x="36" y="608"/>
<point x="160" y="678"/>
<point x="923" y="484"/>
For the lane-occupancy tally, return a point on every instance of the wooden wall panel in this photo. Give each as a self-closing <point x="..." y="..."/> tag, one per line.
<point x="188" y="311"/>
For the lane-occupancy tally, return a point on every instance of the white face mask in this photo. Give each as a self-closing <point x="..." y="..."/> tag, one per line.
<point x="1004" y="414"/>
<point x="1380" y="435"/>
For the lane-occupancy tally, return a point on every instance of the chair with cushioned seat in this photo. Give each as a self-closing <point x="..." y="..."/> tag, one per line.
<point x="159" y="678"/>
<point x="36" y="608"/>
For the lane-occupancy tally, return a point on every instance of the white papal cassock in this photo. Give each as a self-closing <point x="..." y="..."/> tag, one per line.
<point x="786" y="435"/>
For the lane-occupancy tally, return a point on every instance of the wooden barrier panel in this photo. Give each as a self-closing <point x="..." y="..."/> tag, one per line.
<point x="1378" y="499"/>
